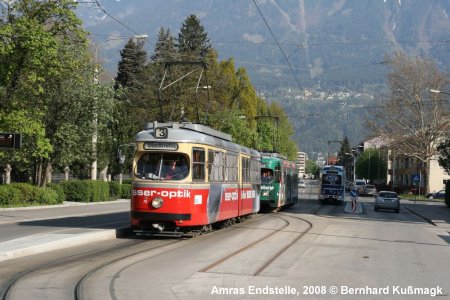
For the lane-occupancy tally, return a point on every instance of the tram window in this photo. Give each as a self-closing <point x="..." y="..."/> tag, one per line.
<point x="267" y="175"/>
<point x="245" y="169"/>
<point x="277" y="174"/>
<point x="162" y="166"/>
<point x="255" y="167"/>
<point x="211" y="166"/>
<point x="218" y="166"/>
<point x="225" y="168"/>
<point x="231" y="163"/>
<point x="198" y="164"/>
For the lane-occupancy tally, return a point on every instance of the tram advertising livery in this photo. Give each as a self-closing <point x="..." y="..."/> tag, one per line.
<point x="188" y="177"/>
<point x="279" y="178"/>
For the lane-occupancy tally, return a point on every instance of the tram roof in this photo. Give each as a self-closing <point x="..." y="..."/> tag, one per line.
<point x="332" y="167"/>
<point x="192" y="133"/>
<point x="273" y="155"/>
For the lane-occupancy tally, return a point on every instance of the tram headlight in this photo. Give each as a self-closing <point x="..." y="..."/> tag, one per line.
<point x="157" y="202"/>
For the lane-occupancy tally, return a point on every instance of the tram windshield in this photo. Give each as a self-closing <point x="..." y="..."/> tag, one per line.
<point x="162" y="166"/>
<point x="331" y="179"/>
<point x="266" y="175"/>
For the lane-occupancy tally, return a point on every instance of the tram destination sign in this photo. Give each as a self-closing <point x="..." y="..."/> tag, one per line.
<point x="160" y="146"/>
<point x="10" y="140"/>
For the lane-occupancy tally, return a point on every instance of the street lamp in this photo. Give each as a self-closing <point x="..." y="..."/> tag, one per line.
<point x="355" y="151"/>
<point x="439" y="92"/>
<point x="95" y="120"/>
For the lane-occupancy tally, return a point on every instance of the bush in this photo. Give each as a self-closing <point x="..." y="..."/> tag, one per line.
<point x="76" y="190"/>
<point x="125" y="191"/>
<point x="59" y="190"/>
<point x="28" y="192"/>
<point x="86" y="190"/>
<point x="114" y="189"/>
<point x="9" y="196"/>
<point x="99" y="190"/>
<point x="46" y="196"/>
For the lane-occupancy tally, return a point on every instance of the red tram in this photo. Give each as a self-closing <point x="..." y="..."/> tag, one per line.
<point x="188" y="177"/>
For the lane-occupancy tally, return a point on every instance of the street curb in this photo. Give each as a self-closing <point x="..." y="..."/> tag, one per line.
<point x="65" y="204"/>
<point x="419" y="215"/>
<point x="48" y="242"/>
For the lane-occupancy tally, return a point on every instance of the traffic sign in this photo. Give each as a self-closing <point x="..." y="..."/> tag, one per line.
<point x="415" y="177"/>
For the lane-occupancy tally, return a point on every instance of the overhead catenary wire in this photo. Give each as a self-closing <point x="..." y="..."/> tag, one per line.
<point x="279" y="46"/>
<point x="115" y="19"/>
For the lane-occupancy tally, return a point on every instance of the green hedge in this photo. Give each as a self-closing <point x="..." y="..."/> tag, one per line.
<point x="28" y="192"/>
<point x="125" y="191"/>
<point x="24" y="194"/>
<point x="9" y="196"/>
<point x="76" y="190"/>
<point x="114" y="190"/>
<point x="86" y="190"/>
<point x="59" y="190"/>
<point x="47" y="196"/>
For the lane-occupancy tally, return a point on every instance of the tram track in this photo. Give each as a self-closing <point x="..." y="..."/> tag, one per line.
<point x="78" y="291"/>
<point x="275" y="255"/>
<point x="100" y="258"/>
<point x="79" y="258"/>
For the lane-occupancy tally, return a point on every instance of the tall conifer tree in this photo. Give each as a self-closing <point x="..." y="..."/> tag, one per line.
<point x="192" y="39"/>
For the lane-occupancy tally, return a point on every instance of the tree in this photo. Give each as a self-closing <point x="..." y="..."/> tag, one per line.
<point x="131" y="66"/>
<point x="444" y="155"/>
<point x="312" y="168"/>
<point x="413" y="120"/>
<point x="165" y="47"/>
<point x="371" y="165"/>
<point x="45" y="65"/>
<point x="344" y="156"/>
<point x="193" y="41"/>
<point x="133" y="98"/>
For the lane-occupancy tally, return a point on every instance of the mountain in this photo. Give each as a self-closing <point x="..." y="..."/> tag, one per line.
<point x="330" y="45"/>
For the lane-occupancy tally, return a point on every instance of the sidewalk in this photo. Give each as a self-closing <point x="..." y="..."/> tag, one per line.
<point x="33" y="230"/>
<point x="435" y="212"/>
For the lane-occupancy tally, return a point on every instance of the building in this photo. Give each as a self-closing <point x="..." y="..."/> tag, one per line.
<point x="405" y="173"/>
<point x="301" y="163"/>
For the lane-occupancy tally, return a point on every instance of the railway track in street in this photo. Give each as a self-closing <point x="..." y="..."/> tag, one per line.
<point x="70" y="276"/>
<point x="294" y="238"/>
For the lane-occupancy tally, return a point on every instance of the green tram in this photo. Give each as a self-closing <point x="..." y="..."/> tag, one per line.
<point x="279" y="178"/>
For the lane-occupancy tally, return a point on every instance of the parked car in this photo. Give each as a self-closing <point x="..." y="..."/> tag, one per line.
<point x="370" y="190"/>
<point x="301" y="184"/>
<point x="387" y="200"/>
<point x="437" y="195"/>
